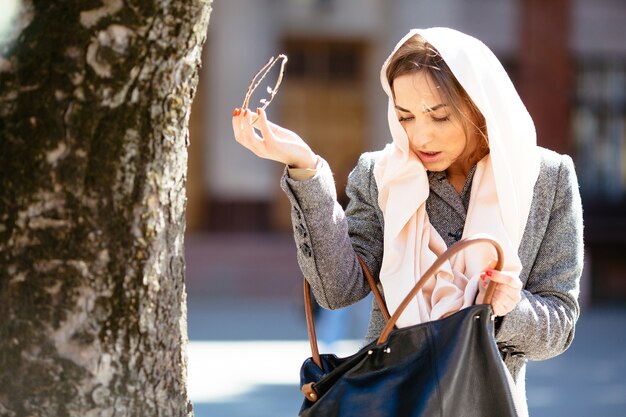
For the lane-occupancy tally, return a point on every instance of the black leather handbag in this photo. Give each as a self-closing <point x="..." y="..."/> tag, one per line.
<point x="446" y="368"/>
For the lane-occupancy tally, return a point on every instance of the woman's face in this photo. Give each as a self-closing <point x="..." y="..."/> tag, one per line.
<point x="434" y="135"/>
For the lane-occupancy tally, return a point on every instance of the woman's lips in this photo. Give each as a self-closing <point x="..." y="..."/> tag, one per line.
<point x="428" y="157"/>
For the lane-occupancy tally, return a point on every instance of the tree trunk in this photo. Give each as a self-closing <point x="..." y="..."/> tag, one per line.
<point x="94" y="104"/>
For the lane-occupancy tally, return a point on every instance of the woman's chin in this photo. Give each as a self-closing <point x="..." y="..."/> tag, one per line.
<point x="437" y="166"/>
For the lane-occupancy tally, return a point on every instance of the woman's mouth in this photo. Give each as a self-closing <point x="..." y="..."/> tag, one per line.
<point x="428" y="157"/>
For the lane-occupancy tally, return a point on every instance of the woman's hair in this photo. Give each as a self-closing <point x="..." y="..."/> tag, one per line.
<point x="418" y="55"/>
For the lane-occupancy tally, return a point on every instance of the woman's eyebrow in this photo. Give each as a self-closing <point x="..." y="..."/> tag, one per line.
<point x="402" y="109"/>
<point x="427" y="109"/>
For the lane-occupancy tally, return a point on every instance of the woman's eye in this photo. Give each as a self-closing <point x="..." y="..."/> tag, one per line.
<point x="441" y="119"/>
<point x="405" y="118"/>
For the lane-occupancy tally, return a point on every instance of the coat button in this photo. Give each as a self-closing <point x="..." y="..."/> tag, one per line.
<point x="297" y="212"/>
<point x="301" y="230"/>
<point x="457" y="235"/>
<point x="505" y="347"/>
<point x="306" y="249"/>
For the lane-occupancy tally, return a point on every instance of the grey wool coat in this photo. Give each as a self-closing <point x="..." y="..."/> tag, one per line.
<point x="541" y="325"/>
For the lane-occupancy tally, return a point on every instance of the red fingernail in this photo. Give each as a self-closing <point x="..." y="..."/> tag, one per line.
<point x="482" y="276"/>
<point x="236" y="112"/>
<point x="485" y="284"/>
<point x="258" y="111"/>
<point x="489" y="273"/>
<point x="245" y="113"/>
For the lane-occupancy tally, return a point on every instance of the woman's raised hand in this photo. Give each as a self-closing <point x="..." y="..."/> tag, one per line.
<point x="275" y="143"/>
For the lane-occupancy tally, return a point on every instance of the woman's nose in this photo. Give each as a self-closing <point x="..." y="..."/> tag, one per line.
<point x="418" y="134"/>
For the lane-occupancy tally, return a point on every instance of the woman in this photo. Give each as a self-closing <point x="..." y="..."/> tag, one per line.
<point x="463" y="161"/>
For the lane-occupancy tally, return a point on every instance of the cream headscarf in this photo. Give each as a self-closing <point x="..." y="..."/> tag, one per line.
<point x="501" y="194"/>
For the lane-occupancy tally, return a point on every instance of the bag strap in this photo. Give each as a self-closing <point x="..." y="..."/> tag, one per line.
<point x="308" y="310"/>
<point x="310" y="324"/>
<point x="451" y="251"/>
<point x="377" y="295"/>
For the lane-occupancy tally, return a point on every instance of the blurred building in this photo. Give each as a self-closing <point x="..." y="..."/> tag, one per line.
<point x="566" y="57"/>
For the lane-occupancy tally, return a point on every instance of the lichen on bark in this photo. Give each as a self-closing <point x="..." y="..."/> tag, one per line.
<point x="93" y="134"/>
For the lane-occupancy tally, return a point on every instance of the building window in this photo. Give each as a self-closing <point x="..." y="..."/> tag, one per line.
<point x="599" y="129"/>
<point x="311" y="4"/>
<point x="325" y="61"/>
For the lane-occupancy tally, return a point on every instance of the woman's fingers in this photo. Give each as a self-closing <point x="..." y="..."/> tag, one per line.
<point x="504" y="302"/>
<point x="237" y="125"/>
<point x="499" y="308"/>
<point x="244" y="132"/>
<point x="248" y="130"/>
<point x="507" y="297"/>
<point x="507" y="293"/>
<point x="504" y="278"/>
<point x="239" y="122"/>
<point x="268" y="130"/>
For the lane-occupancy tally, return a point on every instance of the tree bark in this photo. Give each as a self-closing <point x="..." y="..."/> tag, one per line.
<point x="94" y="103"/>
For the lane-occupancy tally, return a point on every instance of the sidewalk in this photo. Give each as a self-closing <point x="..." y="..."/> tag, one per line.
<point x="248" y="339"/>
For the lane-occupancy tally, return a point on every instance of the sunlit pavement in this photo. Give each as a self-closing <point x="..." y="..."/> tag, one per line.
<point x="257" y="378"/>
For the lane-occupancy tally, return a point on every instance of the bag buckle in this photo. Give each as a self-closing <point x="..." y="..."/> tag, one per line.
<point x="309" y="392"/>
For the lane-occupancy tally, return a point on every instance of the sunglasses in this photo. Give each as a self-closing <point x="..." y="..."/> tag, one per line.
<point x="258" y="78"/>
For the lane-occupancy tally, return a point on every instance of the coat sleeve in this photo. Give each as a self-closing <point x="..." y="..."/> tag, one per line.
<point x="328" y="238"/>
<point x="542" y="324"/>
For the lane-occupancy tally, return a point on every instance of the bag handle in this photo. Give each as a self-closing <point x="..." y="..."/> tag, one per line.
<point x="308" y="310"/>
<point x="377" y="295"/>
<point x="451" y="251"/>
<point x="391" y="321"/>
